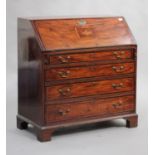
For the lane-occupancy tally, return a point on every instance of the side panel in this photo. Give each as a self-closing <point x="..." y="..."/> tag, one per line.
<point x="30" y="74"/>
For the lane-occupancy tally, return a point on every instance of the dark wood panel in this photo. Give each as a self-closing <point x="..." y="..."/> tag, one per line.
<point x="92" y="56"/>
<point x="94" y="97"/>
<point x="88" y="63"/>
<point x="132" y="47"/>
<point x="89" y="71"/>
<point x="83" y="33"/>
<point x="30" y="74"/>
<point x="88" y="79"/>
<point x="112" y="106"/>
<point x="89" y="88"/>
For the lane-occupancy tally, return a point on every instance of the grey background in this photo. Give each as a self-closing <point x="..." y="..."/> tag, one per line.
<point x="114" y="138"/>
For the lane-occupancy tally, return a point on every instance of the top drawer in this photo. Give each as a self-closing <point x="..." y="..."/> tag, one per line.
<point x="86" y="57"/>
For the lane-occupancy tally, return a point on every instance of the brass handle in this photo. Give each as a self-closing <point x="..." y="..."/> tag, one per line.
<point x="116" y="86"/>
<point x="118" y="69"/>
<point x="118" y="54"/>
<point x="63" y="112"/>
<point x="117" y="105"/>
<point x="64" y="74"/>
<point x="64" y="91"/>
<point x="64" y="59"/>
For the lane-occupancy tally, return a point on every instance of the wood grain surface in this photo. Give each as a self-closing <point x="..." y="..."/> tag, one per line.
<point x="90" y="57"/>
<point x="60" y="34"/>
<point x="89" y="71"/>
<point x="111" y="106"/>
<point x="89" y="88"/>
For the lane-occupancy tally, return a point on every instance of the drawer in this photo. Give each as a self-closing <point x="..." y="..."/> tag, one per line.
<point x="105" y="107"/>
<point x="85" y="57"/>
<point x="89" y="88"/>
<point x="89" y="71"/>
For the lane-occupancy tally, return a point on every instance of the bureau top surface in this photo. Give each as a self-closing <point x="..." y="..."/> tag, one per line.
<point x="79" y="33"/>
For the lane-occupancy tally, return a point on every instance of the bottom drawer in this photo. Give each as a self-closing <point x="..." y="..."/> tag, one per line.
<point x="96" y="107"/>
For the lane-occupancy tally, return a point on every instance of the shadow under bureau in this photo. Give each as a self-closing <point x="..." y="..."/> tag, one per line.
<point x="75" y="71"/>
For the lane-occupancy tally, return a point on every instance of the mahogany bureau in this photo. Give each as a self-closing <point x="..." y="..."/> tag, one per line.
<point x="75" y="71"/>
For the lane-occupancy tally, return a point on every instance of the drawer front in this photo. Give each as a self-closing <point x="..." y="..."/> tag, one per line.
<point x="89" y="71"/>
<point x="95" y="56"/>
<point x="89" y="88"/>
<point x="106" y="107"/>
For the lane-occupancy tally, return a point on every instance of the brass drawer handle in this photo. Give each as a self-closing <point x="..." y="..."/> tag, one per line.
<point x="118" y="54"/>
<point x="118" y="69"/>
<point x="64" y="74"/>
<point x="64" y="59"/>
<point x="117" y="105"/>
<point x="116" y="86"/>
<point x="63" y="112"/>
<point x="64" y="91"/>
